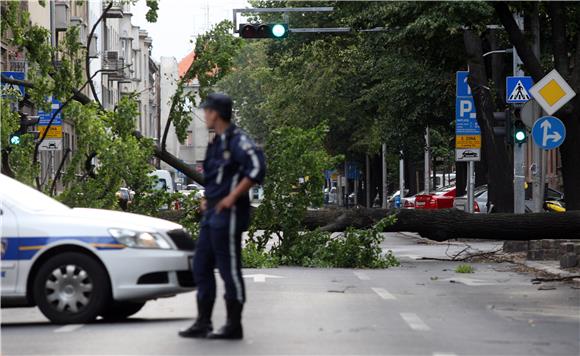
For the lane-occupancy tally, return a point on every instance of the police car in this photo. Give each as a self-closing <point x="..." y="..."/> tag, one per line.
<point x="78" y="264"/>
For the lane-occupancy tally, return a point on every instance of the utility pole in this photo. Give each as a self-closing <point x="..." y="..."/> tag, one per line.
<point x="538" y="172"/>
<point x="401" y="178"/>
<point x="346" y="184"/>
<point x="385" y="185"/>
<point x="427" y="180"/>
<point x="519" y="148"/>
<point x="368" y="180"/>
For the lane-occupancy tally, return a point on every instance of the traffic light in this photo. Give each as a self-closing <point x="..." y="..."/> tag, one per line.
<point x="26" y="121"/>
<point x="520" y="132"/>
<point x="270" y="30"/>
<point x="502" y="125"/>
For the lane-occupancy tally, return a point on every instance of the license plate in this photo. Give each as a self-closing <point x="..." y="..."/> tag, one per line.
<point x="420" y="203"/>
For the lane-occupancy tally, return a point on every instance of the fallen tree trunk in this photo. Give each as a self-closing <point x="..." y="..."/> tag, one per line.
<point x="441" y="225"/>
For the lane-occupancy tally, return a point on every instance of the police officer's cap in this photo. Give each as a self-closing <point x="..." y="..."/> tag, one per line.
<point x="220" y="103"/>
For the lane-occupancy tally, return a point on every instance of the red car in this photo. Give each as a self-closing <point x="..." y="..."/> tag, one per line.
<point x="442" y="198"/>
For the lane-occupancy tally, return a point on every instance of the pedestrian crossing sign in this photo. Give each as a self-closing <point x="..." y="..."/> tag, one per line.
<point x="518" y="89"/>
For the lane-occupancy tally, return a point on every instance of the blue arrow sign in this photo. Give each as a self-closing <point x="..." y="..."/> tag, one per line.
<point x="549" y="132"/>
<point x="517" y="89"/>
<point x="462" y="89"/>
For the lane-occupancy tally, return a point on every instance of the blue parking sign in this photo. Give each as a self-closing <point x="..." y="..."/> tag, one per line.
<point x="466" y="116"/>
<point x="517" y="89"/>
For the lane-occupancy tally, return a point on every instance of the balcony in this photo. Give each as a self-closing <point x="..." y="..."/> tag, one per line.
<point x="17" y="66"/>
<point x="116" y="11"/>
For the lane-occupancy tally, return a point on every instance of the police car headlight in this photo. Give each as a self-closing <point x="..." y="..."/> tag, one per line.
<point x="136" y="239"/>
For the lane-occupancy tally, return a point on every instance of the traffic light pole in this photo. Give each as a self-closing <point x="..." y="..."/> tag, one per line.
<point x="519" y="148"/>
<point x="519" y="179"/>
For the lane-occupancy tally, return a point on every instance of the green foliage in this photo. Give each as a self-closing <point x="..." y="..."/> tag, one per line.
<point x="254" y="257"/>
<point x="296" y="162"/>
<point x="464" y="268"/>
<point x="355" y="248"/>
<point x="119" y="160"/>
<point x="190" y="205"/>
<point x="151" y="15"/>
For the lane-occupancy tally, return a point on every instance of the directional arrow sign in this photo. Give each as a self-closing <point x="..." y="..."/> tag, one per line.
<point x="261" y="278"/>
<point x="548" y="132"/>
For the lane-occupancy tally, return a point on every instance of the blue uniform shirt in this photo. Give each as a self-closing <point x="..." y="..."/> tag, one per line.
<point x="230" y="157"/>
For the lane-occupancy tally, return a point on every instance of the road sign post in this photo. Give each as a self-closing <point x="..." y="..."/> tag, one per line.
<point x="467" y="132"/>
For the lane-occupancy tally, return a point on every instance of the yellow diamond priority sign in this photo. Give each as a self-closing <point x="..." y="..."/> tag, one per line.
<point x="552" y="92"/>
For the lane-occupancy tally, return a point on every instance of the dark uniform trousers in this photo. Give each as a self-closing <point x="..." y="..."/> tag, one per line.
<point x="219" y="245"/>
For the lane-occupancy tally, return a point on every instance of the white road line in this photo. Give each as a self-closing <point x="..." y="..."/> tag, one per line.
<point x="384" y="294"/>
<point x="362" y="276"/>
<point x="415" y="322"/>
<point x="68" y="328"/>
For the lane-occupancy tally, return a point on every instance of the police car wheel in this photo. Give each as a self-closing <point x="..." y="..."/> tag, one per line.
<point x="71" y="288"/>
<point x="121" y="310"/>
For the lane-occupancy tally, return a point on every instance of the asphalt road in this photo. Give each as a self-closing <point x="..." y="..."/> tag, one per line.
<point x="420" y="308"/>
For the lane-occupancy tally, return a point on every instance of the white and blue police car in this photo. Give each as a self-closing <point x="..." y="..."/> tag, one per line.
<point x="78" y="264"/>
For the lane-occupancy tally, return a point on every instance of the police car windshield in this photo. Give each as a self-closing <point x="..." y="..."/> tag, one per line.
<point x="23" y="196"/>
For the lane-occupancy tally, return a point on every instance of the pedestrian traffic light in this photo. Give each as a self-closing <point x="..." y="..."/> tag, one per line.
<point x="502" y="125"/>
<point x="26" y="121"/>
<point x="520" y="132"/>
<point x="271" y="30"/>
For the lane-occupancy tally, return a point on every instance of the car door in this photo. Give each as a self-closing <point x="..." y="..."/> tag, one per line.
<point x="10" y="237"/>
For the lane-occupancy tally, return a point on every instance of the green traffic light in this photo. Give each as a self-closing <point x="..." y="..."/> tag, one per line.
<point x="15" y="140"/>
<point x="278" y="30"/>
<point x="520" y="136"/>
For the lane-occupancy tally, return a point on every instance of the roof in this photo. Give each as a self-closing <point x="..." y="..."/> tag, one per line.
<point x="185" y="63"/>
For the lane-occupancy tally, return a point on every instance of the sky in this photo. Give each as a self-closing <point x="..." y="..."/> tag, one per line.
<point x="180" y="21"/>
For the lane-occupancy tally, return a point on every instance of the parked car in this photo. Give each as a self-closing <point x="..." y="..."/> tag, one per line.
<point x="479" y="200"/>
<point x="77" y="264"/>
<point x="440" y="199"/>
<point x="553" y="201"/>
<point x="409" y="202"/>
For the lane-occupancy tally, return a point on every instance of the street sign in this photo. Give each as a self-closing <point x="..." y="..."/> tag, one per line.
<point x="467" y="131"/>
<point x="552" y="92"/>
<point x="468" y="141"/>
<point x="53" y="131"/>
<point x="549" y="132"/>
<point x="44" y="117"/>
<point x="467" y="154"/>
<point x="466" y="116"/>
<point x="17" y="76"/>
<point x="462" y="88"/>
<point x="51" y="144"/>
<point x="517" y="89"/>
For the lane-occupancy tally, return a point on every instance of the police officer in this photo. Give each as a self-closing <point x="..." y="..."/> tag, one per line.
<point x="233" y="164"/>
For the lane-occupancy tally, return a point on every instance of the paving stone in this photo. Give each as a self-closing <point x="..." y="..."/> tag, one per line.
<point x="568" y="260"/>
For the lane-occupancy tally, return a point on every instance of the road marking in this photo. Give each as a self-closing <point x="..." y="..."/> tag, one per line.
<point x="68" y="328"/>
<point x="362" y="276"/>
<point x="261" y="278"/>
<point x="444" y="354"/>
<point x="415" y="322"/>
<point x="384" y="294"/>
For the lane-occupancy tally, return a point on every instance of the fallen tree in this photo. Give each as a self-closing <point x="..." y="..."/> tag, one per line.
<point x="441" y="225"/>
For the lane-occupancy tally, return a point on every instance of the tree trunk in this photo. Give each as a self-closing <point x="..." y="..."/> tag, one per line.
<point x="447" y="224"/>
<point x="500" y="168"/>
